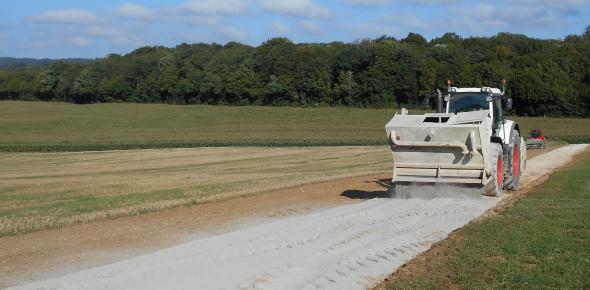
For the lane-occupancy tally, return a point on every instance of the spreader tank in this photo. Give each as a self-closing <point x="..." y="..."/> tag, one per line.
<point x="439" y="147"/>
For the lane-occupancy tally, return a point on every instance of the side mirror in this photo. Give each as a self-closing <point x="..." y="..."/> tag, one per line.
<point x="509" y="104"/>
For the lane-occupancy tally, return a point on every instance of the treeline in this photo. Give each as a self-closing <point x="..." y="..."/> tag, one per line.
<point x="19" y="63"/>
<point x="545" y="77"/>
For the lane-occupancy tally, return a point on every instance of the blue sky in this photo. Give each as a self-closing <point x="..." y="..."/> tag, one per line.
<point x="67" y="28"/>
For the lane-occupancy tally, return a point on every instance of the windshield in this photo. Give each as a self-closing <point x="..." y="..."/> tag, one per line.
<point x="468" y="102"/>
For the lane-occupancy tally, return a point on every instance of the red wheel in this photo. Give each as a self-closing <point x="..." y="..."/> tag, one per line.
<point x="513" y="171"/>
<point x="493" y="187"/>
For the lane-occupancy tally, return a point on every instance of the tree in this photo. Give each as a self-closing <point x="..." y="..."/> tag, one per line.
<point x="415" y="39"/>
<point x="345" y="89"/>
<point x="86" y="85"/>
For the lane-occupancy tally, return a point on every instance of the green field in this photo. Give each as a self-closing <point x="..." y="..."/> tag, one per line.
<point x="542" y="242"/>
<point x="40" y="126"/>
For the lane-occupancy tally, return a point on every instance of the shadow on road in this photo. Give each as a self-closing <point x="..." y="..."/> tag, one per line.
<point x="363" y="194"/>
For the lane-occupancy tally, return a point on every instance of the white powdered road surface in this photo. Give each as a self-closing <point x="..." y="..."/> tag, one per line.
<point x="348" y="247"/>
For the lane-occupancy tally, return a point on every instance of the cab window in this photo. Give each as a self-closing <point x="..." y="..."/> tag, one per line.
<point x="497" y="104"/>
<point x="468" y="102"/>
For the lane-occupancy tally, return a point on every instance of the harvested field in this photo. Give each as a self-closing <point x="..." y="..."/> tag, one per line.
<point x="46" y="190"/>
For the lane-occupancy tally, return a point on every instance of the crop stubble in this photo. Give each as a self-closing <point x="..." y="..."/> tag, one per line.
<point x="46" y="190"/>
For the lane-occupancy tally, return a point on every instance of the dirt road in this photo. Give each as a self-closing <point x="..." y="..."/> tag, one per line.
<point x="347" y="247"/>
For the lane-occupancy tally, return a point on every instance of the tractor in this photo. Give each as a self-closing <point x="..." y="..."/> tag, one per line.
<point x="468" y="141"/>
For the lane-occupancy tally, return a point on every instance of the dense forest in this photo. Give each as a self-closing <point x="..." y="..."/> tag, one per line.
<point x="545" y="76"/>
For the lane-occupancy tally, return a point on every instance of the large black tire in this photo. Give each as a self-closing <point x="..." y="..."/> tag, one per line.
<point x="496" y="178"/>
<point x="514" y="170"/>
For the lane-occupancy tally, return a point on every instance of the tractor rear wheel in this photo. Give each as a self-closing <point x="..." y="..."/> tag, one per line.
<point x="514" y="170"/>
<point x="496" y="178"/>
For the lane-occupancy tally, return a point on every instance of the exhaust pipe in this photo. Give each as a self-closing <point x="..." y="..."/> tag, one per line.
<point x="439" y="101"/>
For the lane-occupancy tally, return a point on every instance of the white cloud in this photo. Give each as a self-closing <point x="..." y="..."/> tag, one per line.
<point x="127" y="41"/>
<point x="66" y="16"/>
<point x="384" y="2"/>
<point x="368" y="2"/>
<point x="547" y="2"/>
<point x="432" y="2"/>
<point x="232" y="34"/>
<point x="487" y="18"/>
<point x="193" y="37"/>
<point x="79" y="41"/>
<point x="191" y="19"/>
<point x="412" y="22"/>
<point x="300" y="8"/>
<point x="135" y="11"/>
<point x="496" y="18"/>
<point x="279" y="28"/>
<point x="310" y="27"/>
<point x="370" y="29"/>
<point x="118" y="35"/>
<point x="224" y="7"/>
<point x="185" y="13"/>
<point x="104" y="31"/>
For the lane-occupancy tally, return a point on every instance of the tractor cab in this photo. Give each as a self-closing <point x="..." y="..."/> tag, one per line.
<point x="461" y="100"/>
<point x="475" y="99"/>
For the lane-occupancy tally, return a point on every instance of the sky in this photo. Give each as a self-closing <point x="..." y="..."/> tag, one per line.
<point x="89" y="29"/>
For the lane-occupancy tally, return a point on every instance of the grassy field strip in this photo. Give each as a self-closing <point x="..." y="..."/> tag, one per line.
<point x="60" y="126"/>
<point x="542" y="242"/>
<point x="38" y="126"/>
<point x="44" y="190"/>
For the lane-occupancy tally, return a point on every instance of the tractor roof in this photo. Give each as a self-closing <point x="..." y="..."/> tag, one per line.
<point x="475" y="90"/>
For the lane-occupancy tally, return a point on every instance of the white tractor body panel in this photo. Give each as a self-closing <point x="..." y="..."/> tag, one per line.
<point x="440" y="147"/>
<point x="504" y="131"/>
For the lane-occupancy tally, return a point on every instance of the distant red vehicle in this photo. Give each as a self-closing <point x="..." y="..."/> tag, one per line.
<point x="536" y="140"/>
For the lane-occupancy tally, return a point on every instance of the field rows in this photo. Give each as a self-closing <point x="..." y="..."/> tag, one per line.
<point x="38" y="126"/>
<point x="45" y="190"/>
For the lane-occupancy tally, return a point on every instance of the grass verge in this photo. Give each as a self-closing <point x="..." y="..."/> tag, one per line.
<point x="541" y="242"/>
